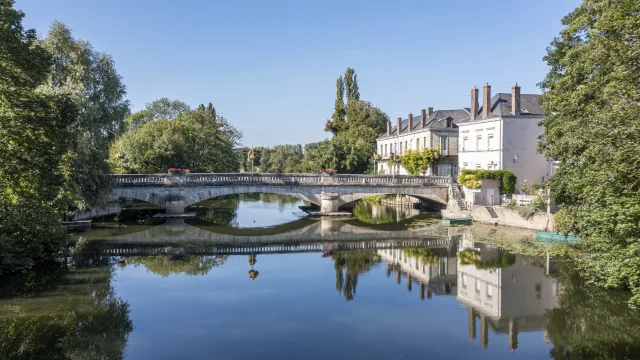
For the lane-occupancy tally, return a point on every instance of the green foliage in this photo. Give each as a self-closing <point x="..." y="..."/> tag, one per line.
<point x="72" y="319"/>
<point x="162" y="108"/>
<point x="426" y="256"/>
<point x="189" y="265"/>
<point x="90" y="78"/>
<point x="563" y="222"/>
<point x="591" y="322"/>
<point x="473" y="257"/>
<point x="35" y="132"/>
<point x="416" y="160"/>
<point x="592" y="96"/>
<point x="356" y="263"/>
<point x="473" y="179"/>
<point x="198" y="140"/>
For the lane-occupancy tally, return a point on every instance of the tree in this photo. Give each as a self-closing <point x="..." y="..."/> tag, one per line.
<point x="35" y="128"/>
<point x="592" y="97"/>
<point x="337" y="121"/>
<point x="416" y="160"/>
<point x="351" y="85"/>
<point x="90" y="78"/>
<point x="200" y="140"/>
<point x="162" y="108"/>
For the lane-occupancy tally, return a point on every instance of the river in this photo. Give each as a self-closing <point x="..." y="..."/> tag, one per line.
<point x="252" y="278"/>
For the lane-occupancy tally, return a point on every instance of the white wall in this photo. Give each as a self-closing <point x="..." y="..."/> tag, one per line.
<point x="521" y="138"/>
<point x="472" y="156"/>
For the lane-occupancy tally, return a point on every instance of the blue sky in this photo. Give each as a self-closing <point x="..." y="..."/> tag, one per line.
<point x="270" y="66"/>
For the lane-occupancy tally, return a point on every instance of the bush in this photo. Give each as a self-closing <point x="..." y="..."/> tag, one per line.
<point x="563" y="222"/>
<point x="526" y="211"/>
<point x="473" y="179"/>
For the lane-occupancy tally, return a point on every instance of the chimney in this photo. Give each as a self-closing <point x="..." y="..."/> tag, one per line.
<point x="474" y="104"/>
<point x="430" y="111"/>
<point x="388" y="128"/>
<point x="515" y="100"/>
<point x="399" y="126"/>
<point x="486" y="100"/>
<point x="410" y="122"/>
<point x="423" y="117"/>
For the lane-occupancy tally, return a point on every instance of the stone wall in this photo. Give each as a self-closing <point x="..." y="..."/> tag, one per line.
<point x="539" y="221"/>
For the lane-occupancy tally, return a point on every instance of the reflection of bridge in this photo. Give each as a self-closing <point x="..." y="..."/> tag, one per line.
<point x="176" y="231"/>
<point x="329" y="192"/>
<point x="189" y="250"/>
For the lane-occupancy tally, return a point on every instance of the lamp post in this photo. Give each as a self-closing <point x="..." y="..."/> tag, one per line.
<point x="121" y="157"/>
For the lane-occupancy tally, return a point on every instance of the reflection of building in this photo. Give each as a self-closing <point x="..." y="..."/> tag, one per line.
<point x="508" y="299"/>
<point x="433" y="274"/>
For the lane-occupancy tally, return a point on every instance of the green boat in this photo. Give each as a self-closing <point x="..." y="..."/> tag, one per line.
<point x="543" y="236"/>
<point x="457" y="221"/>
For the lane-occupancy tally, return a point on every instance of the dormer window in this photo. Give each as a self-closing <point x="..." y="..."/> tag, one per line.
<point x="449" y="122"/>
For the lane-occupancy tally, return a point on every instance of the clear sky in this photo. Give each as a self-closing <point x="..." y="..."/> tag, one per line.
<point x="270" y="66"/>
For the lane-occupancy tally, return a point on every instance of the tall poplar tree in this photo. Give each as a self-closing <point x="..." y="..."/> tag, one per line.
<point x="338" y="118"/>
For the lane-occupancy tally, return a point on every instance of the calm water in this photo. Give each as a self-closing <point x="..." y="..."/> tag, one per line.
<point x="252" y="279"/>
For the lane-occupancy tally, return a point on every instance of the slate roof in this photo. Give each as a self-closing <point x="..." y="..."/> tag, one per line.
<point x="437" y="120"/>
<point x="501" y="106"/>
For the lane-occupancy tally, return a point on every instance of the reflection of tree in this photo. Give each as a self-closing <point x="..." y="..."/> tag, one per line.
<point x="383" y="214"/>
<point x="356" y="263"/>
<point x="89" y="323"/>
<point x="220" y="211"/>
<point x="592" y="322"/>
<point x="469" y="256"/>
<point x="253" y="274"/>
<point x="426" y="256"/>
<point x="190" y="265"/>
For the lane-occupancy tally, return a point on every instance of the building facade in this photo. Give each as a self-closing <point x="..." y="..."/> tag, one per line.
<point x="503" y="134"/>
<point x="430" y="130"/>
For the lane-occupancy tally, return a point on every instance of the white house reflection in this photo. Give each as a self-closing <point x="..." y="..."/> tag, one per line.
<point x="504" y="292"/>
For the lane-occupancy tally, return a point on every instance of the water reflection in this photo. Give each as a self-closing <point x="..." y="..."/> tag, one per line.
<point x="75" y="314"/>
<point x="294" y="286"/>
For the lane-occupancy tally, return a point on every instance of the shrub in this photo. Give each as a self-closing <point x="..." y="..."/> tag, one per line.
<point x="563" y="222"/>
<point x="473" y="179"/>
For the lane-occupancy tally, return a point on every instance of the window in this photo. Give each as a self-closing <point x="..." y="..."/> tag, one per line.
<point x="478" y="166"/>
<point x="417" y="144"/>
<point x="425" y="142"/>
<point x="443" y="143"/>
<point x="538" y="291"/>
<point x="477" y="286"/>
<point x="405" y="145"/>
<point x="478" y="142"/>
<point x="490" y="142"/>
<point x="489" y="291"/>
<point x="489" y="166"/>
<point x="381" y="149"/>
<point x="465" y="143"/>
<point x="465" y="165"/>
<point x="385" y="149"/>
<point x="464" y="280"/>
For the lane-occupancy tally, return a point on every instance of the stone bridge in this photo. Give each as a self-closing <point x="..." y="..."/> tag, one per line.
<point x="175" y="193"/>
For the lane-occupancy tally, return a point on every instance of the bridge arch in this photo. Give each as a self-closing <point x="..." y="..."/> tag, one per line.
<point x="212" y="193"/>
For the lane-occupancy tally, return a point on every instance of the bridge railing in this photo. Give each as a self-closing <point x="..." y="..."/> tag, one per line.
<point x="211" y="179"/>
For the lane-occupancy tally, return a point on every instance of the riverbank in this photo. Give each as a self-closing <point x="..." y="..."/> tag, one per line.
<point x="500" y="215"/>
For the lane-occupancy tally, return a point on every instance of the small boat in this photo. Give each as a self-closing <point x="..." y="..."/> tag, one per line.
<point x="543" y="236"/>
<point x="457" y="221"/>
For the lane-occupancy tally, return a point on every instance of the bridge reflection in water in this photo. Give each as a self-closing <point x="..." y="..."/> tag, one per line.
<point x="503" y="292"/>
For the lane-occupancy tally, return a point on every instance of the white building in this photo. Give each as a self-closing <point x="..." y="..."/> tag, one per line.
<point x="501" y="136"/>
<point x="430" y="130"/>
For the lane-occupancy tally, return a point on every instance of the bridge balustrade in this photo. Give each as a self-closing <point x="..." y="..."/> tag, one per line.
<point x="135" y="180"/>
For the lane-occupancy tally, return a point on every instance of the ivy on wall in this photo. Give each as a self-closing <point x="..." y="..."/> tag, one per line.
<point x="472" y="179"/>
